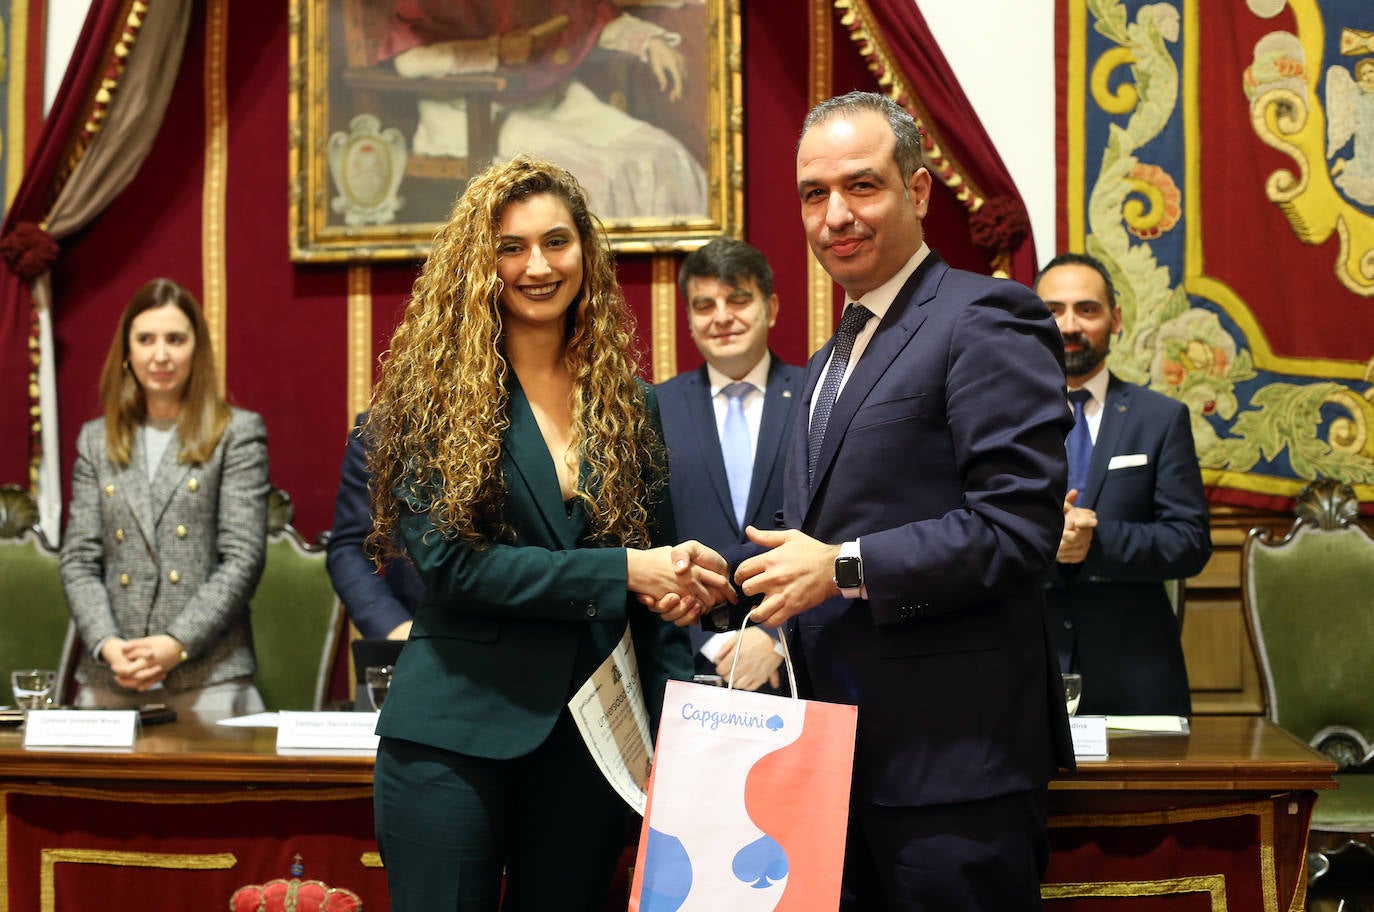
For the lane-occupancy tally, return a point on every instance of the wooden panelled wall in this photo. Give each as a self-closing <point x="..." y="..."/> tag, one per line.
<point x="1222" y="669"/>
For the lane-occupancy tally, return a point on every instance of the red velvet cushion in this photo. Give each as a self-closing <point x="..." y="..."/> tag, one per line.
<point x="294" y="896"/>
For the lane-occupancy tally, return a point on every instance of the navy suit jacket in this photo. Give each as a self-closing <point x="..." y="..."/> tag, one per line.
<point x="376" y="603"/>
<point x="1112" y="609"/>
<point x="700" y="490"/>
<point x="944" y="456"/>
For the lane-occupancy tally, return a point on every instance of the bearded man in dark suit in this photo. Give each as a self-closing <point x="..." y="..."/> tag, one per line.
<point x="1135" y="516"/>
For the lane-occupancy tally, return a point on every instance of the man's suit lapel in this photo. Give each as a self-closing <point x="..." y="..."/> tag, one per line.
<point x="707" y="440"/>
<point x="777" y="402"/>
<point x="524" y="446"/>
<point x="900" y="323"/>
<point x="1108" y="439"/>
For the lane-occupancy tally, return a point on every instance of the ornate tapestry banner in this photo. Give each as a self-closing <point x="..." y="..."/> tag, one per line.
<point x="1219" y="158"/>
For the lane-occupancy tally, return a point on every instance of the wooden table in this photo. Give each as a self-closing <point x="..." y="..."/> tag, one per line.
<point x="1216" y="819"/>
<point x="188" y="750"/>
<point x="195" y="812"/>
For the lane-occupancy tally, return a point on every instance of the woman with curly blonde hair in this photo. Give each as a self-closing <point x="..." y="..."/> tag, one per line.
<point x="519" y="463"/>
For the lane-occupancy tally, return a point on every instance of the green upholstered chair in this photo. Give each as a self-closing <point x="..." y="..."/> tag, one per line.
<point x="35" y="629"/>
<point x="297" y="619"/>
<point x="1308" y="611"/>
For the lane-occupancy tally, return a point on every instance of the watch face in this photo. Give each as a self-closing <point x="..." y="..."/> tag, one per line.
<point x="848" y="572"/>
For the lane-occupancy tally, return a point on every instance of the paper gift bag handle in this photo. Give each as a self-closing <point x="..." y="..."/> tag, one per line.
<point x="786" y="659"/>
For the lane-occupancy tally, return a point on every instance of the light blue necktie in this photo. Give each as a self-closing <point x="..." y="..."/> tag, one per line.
<point x="1079" y="444"/>
<point x="736" y="448"/>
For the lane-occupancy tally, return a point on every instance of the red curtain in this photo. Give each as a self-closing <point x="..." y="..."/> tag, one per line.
<point x="23" y="249"/>
<point x="286" y="332"/>
<point x="1000" y="226"/>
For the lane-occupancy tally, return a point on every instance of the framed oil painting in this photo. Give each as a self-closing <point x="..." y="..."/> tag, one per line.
<point x="396" y="103"/>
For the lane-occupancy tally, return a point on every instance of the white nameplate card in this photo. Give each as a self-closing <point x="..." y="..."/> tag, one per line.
<point x="81" y="728"/>
<point x="1089" y="737"/>
<point x="327" y="730"/>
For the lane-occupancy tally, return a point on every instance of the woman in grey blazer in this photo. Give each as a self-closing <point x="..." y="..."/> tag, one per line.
<point x="168" y="521"/>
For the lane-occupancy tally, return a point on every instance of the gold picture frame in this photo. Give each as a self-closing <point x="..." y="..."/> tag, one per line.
<point x="642" y="101"/>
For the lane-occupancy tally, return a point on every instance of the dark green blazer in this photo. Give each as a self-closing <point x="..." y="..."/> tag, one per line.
<point x="505" y="635"/>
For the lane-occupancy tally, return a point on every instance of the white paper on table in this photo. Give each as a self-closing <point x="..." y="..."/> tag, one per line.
<point x="256" y="720"/>
<point x="1159" y="725"/>
<point x="610" y="714"/>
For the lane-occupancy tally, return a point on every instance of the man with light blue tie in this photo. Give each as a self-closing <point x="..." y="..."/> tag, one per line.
<point x="1135" y="514"/>
<point x="724" y="424"/>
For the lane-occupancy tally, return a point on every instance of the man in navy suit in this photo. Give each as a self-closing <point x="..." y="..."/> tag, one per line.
<point x="719" y="489"/>
<point x="923" y="494"/>
<point x="1137" y="517"/>
<point x="380" y="605"/>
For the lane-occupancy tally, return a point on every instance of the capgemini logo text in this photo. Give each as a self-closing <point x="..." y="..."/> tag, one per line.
<point x="714" y="719"/>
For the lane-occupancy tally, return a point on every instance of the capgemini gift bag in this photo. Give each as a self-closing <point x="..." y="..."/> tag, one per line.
<point x="748" y="803"/>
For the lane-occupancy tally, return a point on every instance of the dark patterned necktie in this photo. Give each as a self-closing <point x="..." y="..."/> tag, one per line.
<point x="1079" y="444"/>
<point x="853" y="320"/>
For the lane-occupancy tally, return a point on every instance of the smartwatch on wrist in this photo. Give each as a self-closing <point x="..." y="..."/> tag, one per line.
<point x="849" y="575"/>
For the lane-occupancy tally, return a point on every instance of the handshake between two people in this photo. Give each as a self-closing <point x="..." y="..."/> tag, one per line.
<point x="792" y="574"/>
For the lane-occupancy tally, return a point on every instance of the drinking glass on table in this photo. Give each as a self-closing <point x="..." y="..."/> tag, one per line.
<point x="378" y="679"/>
<point x="1073" y="691"/>
<point x="33" y="687"/>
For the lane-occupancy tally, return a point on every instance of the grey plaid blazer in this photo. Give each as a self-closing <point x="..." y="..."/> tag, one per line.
<point x="181" y="555"/>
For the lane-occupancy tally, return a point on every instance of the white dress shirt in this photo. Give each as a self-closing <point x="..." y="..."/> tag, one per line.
<point x="752" y="402"/>
<point x="879" y="300"/>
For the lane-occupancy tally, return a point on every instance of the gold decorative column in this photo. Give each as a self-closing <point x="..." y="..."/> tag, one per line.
<point x="359" y="340"/>
<point x="663" y="297"/>
<point x="213" y="278"/>
<point x="820" y="321"/>
<point x="17" y="44"/>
